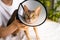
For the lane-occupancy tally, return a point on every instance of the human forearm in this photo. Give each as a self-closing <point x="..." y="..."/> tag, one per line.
<point x="12" y="28"/>
<point x="8" y="30"/>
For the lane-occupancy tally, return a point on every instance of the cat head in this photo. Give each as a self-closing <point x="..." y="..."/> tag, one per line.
<point x="31" y="16"/>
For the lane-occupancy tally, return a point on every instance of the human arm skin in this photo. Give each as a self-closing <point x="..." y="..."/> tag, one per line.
<point x="5" y="31"/>
<point x="13" y="28"/>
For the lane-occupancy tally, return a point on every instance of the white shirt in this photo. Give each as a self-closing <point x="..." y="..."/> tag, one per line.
<point x="5" y="14"/>
<point x="7" y="11"/>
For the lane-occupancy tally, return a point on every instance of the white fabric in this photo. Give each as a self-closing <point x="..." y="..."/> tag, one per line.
<point x="5" y="14"/>
<point x="7" y="11"/>
<point x="49" y="31"/>
<point x="0" y="20"/>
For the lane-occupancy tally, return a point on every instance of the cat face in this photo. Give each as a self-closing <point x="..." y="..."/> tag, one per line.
<point x="31" y="16"/>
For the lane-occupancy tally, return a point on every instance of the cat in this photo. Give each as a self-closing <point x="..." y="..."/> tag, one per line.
<point x="31" y="16"/>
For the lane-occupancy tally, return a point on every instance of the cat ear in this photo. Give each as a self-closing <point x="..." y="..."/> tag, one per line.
<point x="25" y="8"/>
<point x="37" y="11"/>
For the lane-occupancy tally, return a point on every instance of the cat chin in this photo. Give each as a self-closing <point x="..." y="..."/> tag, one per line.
<point x="30" y="22"/>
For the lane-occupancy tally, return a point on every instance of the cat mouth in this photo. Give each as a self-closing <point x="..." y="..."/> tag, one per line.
<point x="29" y="22"/>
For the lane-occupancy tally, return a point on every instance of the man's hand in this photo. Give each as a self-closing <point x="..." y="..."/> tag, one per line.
<point x="20" y="26"/>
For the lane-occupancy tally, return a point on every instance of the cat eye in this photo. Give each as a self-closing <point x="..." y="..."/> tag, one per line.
<point x="32" y="16"/>
<point x="26" y="16"/>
